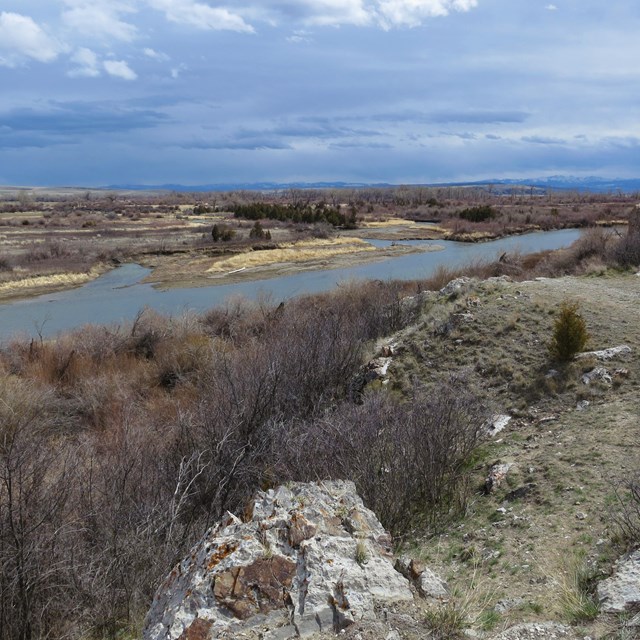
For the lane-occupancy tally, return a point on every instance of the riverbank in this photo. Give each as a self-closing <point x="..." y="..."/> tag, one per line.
<point x="180" y="265"/>
<point x="275" y="261"/>
<point x="119" y="295"/>
<point x="38" y="285"/>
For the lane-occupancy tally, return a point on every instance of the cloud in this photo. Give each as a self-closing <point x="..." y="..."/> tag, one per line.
<point x="360" y="145"/>
<point x="411" y="13"/>
<point x="383" y="13"/>
<point x="255" y="144"/>
<point x="479" y="116"/>
<point x="543" y="140"/>
<point x="155" y="55"/>
<point x="88" y="65"/>
<point x="176" y="71"/>
<point x="551" y="7"/>
<point x="328" y="12"/>
<point x="71" y="120"/>
<point x="21" y="37"/>
<point x="468" y="116"/>
<point x="99" y="19"/>
<point x="119" y="69"/>
<point x="463" y="135"/>
<point x="299" y="36"/>
<point x="201" y="15"/>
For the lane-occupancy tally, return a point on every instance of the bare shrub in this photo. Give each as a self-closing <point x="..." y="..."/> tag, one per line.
<point x="36" y="480"/>
<point x="626" y="252"/>
<point x="407" y="458"/>
<point x="627" y="515"/>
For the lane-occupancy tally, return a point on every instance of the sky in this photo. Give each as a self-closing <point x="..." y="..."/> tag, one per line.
<point x="102" y="92"/>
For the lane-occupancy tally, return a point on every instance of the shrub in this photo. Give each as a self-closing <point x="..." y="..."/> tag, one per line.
<point x="222" y="232"/>
<point x="408" y="459"/>
<point x="446" y="623"/>
<point x="258" y="232"/>
<point x="478" y="214"/>
<point x="627" y="517"/>
<point x="569" y="333"/>
<point x="626" y="252"/>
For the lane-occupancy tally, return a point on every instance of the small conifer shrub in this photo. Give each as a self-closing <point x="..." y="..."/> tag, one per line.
<point x="569" y="333"/>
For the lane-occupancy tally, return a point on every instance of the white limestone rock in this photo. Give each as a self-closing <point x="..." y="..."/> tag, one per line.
<point x="607" y="354"/>
<point x="308" y="558"/>
<point x="621" y="592"/>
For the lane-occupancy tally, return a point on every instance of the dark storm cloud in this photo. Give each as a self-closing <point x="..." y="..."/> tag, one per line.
<point x="79" y="118"/>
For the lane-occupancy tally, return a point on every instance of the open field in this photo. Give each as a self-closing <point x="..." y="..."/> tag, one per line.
<point x="56" y="238"/>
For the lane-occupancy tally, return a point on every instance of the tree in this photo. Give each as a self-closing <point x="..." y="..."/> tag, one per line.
<point x="569" y="333"/>
<point x="215" y="233"/>
<point x="258" y="232"/>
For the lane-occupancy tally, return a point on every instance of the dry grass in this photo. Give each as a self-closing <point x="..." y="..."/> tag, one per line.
<point x="295" y="252"/>
<point x="53" y="281"/>
<point x="565" y="458"/>
<point x="391" y="222"/>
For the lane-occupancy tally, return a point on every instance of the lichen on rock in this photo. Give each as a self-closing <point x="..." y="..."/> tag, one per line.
<point x="292" y="568"/>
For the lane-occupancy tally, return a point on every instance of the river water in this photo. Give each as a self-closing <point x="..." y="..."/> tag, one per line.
<point x="117" y="296"/>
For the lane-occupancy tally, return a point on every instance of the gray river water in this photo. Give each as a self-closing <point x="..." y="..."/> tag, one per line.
<point x="117" y="296"/>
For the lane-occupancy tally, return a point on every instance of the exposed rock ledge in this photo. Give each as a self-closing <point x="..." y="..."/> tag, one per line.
<point x="308" y="558"/>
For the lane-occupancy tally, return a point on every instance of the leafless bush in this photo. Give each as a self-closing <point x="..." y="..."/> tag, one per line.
<point x="36" y="481"/>
<point x="47" y="250"/>
<point x="407" y="458"/>
<point x="171" y="421"/>
<point x="626" y="252"/>
<point x="627" y="515"/>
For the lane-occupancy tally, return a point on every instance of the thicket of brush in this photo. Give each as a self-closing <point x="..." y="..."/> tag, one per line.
<point x="120" y="446"/>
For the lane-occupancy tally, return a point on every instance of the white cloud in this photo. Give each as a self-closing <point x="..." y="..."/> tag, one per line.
<point x="335" y="12"/>
<point x="100" y="19"/>
<point x="176" y="71"/>
<point x="155" y="55"/>
<point x="21" y="37"/>
<point x="383" y="13"/>
<point x="119" y="69"/>
<point x="201" y="15"/>
<point x="87" y="62"/>
<point x="411" y="13"/>
<point x="300" y="36"/>
<point x="551" y="7"/>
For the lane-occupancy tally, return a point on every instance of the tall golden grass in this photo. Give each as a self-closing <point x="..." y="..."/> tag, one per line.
<point x="295" y="252"/>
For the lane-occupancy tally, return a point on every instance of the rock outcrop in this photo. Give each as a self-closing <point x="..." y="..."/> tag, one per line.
<point x="307" y="558"/>
<point x="621" y="592"/>
<point x="606" y="354"/>
<point x="427" y="583"/>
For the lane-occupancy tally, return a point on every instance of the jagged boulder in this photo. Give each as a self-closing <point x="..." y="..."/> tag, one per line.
<point x="307" y="558"/>
<point x="458" y="285"/>
<point x="427" y="583"/>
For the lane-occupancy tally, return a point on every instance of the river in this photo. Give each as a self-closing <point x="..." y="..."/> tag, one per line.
<point x="118" y="295"/>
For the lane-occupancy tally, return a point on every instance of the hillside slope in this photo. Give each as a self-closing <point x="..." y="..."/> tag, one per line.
<point x="570" y="443"/>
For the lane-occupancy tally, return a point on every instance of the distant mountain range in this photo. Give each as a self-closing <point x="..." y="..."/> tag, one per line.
<point x="591" y="184"/>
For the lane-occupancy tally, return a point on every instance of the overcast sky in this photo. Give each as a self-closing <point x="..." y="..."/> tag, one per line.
<point x="97" y="92"/>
